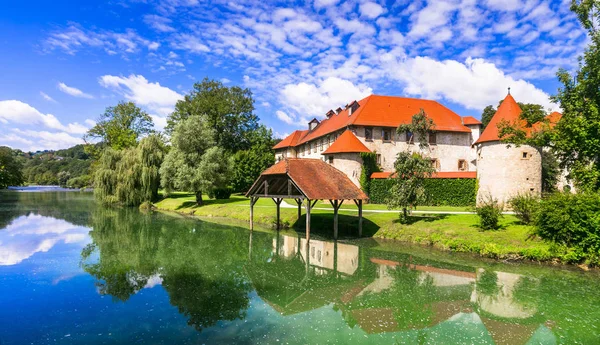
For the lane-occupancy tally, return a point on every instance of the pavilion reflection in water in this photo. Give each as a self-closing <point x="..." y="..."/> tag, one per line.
<point x="383" y="293"/>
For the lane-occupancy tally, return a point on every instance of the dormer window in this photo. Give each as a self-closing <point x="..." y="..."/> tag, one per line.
<point x="313" y="124"/>
<point x="352" y="108"/>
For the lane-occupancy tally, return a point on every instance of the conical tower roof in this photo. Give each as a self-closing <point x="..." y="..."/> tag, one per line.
<point x="509" y="111"/>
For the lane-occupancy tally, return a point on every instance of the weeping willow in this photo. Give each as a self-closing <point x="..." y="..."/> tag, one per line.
<point x="130" y="177"/>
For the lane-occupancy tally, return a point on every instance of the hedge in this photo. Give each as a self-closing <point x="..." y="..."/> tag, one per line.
<point x="440" y="191"/>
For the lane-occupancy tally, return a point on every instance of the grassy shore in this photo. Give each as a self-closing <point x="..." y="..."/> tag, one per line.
<point x="455" y="232"/>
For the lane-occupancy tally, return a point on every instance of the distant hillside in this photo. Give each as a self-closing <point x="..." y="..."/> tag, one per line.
<point x="69" y="167"/>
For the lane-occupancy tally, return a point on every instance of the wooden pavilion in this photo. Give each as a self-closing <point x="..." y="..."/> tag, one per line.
<point x="306" y="181"/>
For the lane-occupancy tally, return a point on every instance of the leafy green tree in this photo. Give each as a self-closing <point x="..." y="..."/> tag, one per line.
<point x="62" y="178"/>
<point x="228" y="110"/>
<point x="486" y="115"/>
<point x="194" y="163"/>
<point x="249" y="164"/>
<point x="408" y="189"/>
<point x="576" y="140"/>
<point x="10" y="168"/>
<point x="411" y="168"/>
<point x="130" y="176"/>
<point x="121" y="126"/>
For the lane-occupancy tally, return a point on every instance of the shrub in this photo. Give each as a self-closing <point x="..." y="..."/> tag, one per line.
<point x="525" y="206"/>
<point x="439" y="191"/>
<point x="571" y="219"/>
<point x="221" y="193"/>
<point x="79" y="182"/>
<point x="489" y="212"/>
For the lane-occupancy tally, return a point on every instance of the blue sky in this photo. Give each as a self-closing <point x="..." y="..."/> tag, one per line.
<point x="61" y="64"/>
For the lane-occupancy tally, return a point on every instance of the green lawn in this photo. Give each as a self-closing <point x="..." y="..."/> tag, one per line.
<point x="443" y="231"/>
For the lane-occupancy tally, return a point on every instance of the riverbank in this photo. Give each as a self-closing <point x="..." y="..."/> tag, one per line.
<point x="452" y="231"/>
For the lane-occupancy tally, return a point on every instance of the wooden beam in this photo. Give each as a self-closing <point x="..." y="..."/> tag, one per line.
<point x="299" y="202"/>
<point x="314" y="203"/>
<point x="278" y="203"/>
<point x="336" y="206"/>
<point x="253" y="201"/>
<point x="308" y="207"/>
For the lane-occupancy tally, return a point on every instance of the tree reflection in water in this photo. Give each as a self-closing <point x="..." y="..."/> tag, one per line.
<point x="209" y="272"/>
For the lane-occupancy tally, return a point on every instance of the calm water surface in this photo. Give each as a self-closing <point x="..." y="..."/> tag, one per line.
<point x="72" y="272"/>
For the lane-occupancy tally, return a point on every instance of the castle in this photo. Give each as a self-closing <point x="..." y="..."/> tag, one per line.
<point x="457" y="146"/>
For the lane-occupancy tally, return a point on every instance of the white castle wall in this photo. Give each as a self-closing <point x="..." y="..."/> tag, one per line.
<point x="504" y="172"/>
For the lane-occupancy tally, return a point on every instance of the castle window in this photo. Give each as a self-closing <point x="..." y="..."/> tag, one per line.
<point x="435" y="164"/>
<point x="525" y="155"/>
<point x="378" y="159"/>
<point x="409" y="137"/>
<point x="386" y="134"/>
<point x="320" y="145"/>
<point x="462" y="165"/>
<point x="330" y="159"/>
<point x="368" y="133"/>
<point x="432" y="138"/>
<point x="314" y="146"/>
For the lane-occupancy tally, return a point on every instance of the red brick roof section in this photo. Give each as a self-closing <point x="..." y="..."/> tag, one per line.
<point x="290" y="141"/>
<point x="470" y="121"/>
<point x="440" y="174"/>
<point x="382" y="111"/>
<point x="509" y="111"/>
<point x="346" y="143"/>
<point x="317" y="179"/>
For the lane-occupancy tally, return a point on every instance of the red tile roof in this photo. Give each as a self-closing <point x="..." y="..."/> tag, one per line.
<point x="551" y="119"/>
<point x="346" y="143"/>
<point x="470" y="120"/>
<point x="290" y="141"/>
<point x="316" y="179"/>
<point x="440" y="174"/>
<point x="383" y="111"/>
<point x="509" y="111"/>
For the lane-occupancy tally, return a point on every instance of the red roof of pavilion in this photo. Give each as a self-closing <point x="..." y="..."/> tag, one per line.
<point x="382" y="111"/>
<point x="346" y="143"/>
<point x="315" y="179"/>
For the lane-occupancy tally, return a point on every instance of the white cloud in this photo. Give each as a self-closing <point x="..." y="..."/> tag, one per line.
<point x="505" y="5"/>
<point x="191" y="43"/>
<point x="75" y="92"/>
<point x="285" y="117"/>
<point x="371" y="10"/>
<point x="17" y="112"/>
<point x="157" y="98"/>
<point x="473" y="84"/>
<point x="315" y="100"/>
<point x="325" y="3"/>
<point x="46" y="97"/>
<point x="31" y="140"/>
<point x="158" y="23"/>
<point x="153" y="45"/>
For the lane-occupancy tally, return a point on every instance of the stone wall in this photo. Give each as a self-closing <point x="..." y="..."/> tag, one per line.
<point x="505" y="172"/>
<point x="348" y="163"/>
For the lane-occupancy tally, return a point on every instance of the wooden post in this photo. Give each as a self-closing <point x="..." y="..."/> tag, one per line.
<point x="336" y="206"/>
<point x="299" y="202"/>
<point x="308" y="207"/>
<point x="278" y="203"/>
<point x="360" y="218"/>
<point x="253" y="201"/>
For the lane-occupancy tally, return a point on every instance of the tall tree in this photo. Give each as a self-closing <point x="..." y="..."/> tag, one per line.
<point x="130" y="176"/>
<point x="411" y="168"/>
<point x="228" y="110"/>
<point x="10" y="168"/>
<point x="576" y="138"/>
<point x="194" y="162"/>
<point x="249" y="164"/>
<point x="121" y="126"/>
<point x="486" y="116"/>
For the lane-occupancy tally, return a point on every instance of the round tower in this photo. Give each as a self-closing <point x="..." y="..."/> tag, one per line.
<point x="503" y="170"/>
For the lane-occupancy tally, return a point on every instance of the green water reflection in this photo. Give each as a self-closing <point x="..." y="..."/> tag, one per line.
<point x="231" y="285"/>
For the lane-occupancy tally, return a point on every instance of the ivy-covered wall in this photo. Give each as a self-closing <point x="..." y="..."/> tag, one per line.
<point x="440" y="191"/>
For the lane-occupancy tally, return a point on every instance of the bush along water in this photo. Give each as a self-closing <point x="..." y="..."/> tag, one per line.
<point x="439" y="191"/>
<point x="489" y="212"/>
<point x="525" y="207"/>
<point x="572" y="221"/>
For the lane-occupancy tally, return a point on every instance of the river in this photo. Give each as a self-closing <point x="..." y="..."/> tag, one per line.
<point x="73" y="272"/>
